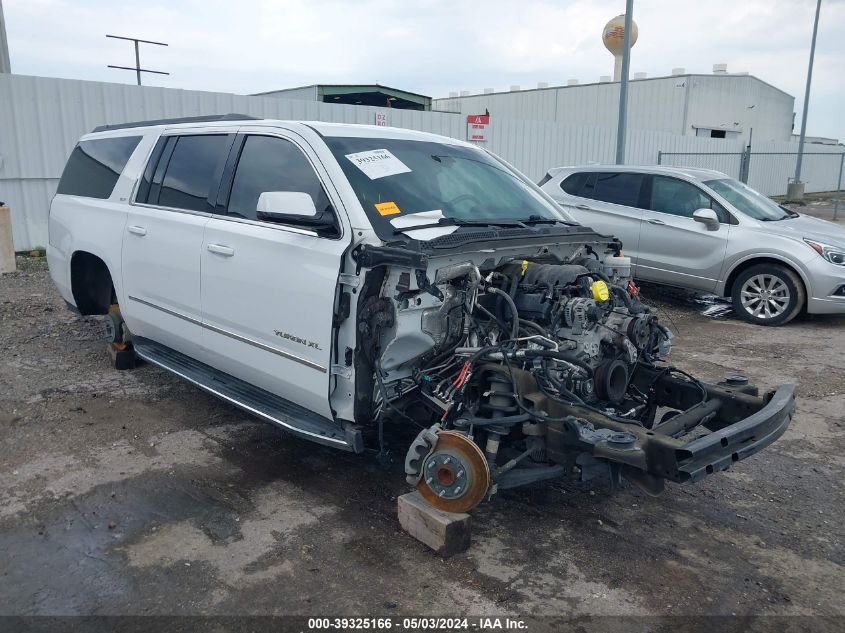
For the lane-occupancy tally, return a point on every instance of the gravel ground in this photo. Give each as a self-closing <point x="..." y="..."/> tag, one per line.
<point x="134" y="493"/>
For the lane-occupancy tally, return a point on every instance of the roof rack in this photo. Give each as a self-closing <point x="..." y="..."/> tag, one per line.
<point x="188" y="119"/>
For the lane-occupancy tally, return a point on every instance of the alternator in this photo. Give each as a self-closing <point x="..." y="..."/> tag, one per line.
<point x="575" y="313"/>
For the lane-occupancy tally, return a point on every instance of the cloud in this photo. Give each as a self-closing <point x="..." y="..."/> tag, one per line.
<point x="427" y="46"/>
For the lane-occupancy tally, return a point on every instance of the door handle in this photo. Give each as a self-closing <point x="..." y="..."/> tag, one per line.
<point x="655" y="221"/>
<point x="584" y="207"/>
<point x="136" y="230"/>
<point x="221" y="249"/>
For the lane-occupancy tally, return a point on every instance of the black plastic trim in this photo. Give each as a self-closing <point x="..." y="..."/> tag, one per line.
<point x="188" y="119"/>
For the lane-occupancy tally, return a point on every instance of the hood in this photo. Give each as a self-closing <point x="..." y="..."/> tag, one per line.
<point x="809" y="227"/>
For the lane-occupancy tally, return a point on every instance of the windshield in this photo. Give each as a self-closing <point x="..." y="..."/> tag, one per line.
<point x="750" y="202"/>
<point x="394" y="178"/>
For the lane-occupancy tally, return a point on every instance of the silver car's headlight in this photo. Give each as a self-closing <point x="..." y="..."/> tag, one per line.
<point x="833" y="254"/>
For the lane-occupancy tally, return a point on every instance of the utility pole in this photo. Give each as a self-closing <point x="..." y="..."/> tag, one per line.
<point x="795" y="191"/>
<point x="138" y="70"/>
<point x="623" y="86"/>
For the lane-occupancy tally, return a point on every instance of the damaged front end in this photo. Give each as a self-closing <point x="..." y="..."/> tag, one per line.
<point x="535" y="360"/>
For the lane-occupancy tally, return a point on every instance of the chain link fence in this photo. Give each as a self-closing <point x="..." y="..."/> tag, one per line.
<point x="769" y="171"/>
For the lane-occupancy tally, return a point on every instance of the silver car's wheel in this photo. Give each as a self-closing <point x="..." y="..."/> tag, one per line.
<point x="765" y="296"/>
<point x="768" y="294"/>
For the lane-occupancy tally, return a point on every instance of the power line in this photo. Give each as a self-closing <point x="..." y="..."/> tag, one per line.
<point x="137" y="68"/>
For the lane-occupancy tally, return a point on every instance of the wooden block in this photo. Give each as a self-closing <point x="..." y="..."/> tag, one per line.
<point x="7" y="247"/>
<point x="123" y="356"/>
<point x="447" y="533"/>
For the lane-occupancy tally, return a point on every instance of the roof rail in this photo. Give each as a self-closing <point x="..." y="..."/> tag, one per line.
<point x="188" y="119"/>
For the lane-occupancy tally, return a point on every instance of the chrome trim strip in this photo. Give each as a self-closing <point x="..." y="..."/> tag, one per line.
<point x="167" y="310"/>
<point x="156" y="207"/>
<point x="266" y="348"/>
<point x="237" y="337"/>
<point x="241" y="405"/>
<point x="267" y="225"/>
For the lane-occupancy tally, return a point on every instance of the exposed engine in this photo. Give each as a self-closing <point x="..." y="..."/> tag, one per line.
<point x="526" y="369"/>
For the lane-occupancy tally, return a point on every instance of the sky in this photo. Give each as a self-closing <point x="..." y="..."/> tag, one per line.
<point x="429" y="46"/>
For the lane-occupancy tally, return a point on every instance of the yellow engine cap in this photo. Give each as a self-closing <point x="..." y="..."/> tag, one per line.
<point x="601" y="292"/>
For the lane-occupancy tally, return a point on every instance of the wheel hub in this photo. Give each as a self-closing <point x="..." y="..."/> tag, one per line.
<point x="455" y="475"/>
<point x="445" y="475"/>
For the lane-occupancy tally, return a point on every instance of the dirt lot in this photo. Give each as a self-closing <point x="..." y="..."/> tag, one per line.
<point x="134" y="493"/>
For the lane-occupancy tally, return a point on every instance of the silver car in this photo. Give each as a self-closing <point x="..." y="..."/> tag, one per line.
<point x="700" y="229"/>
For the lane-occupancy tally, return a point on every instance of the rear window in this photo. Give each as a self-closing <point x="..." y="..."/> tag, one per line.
<point x="573" y="184"/>
<point x="621" y="188"/>
<point x="94" y="166"/>
<point x="190" y="174"/>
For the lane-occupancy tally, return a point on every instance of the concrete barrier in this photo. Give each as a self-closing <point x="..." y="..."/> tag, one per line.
<point x="7" y="249"/>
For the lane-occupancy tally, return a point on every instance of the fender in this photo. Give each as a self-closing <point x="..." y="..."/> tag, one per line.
<point x="798" y="267"/>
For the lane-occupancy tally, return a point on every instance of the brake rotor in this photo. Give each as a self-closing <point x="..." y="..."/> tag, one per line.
<point x="455" y="476"/>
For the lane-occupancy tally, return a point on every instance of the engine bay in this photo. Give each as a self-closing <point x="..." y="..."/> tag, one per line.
<point x="531" y="366"/>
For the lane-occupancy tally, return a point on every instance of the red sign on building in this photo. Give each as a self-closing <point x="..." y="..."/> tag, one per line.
<point x="477" y="127"/>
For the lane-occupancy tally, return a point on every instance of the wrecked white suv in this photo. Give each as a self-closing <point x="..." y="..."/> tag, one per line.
<point x="332" y="279"/>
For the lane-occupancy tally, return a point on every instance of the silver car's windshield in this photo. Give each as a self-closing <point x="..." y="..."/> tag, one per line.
<point x="395" y="177"/>
<point x="750" y="202"/>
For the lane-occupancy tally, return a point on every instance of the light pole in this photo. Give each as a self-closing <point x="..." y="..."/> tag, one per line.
<point x="623" y="85"/>
<point x="795" y="190"/>
<point x="5" y="64"/>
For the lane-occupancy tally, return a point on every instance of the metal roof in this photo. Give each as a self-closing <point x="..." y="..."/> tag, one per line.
<point x="356" y="94"/>
<point x="347" y="88"/>
<point x="632" y="80"/>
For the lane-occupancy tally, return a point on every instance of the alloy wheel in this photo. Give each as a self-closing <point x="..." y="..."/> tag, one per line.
<point x="765" y="296"/>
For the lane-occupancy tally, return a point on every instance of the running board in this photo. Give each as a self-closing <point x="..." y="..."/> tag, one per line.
<point x="265" y="405"/>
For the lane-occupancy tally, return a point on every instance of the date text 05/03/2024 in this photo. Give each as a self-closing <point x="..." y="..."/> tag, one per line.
<point x="418" y="624"/>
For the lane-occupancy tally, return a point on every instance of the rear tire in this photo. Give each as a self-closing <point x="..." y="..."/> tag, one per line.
<point x="768" y="294"/>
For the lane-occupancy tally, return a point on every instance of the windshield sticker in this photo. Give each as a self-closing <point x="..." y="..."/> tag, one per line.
<point x="378" y="163"/>
<point x="387" y="208"/>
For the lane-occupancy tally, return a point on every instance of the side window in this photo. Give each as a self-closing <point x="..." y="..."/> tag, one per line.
<point x="269" y="163"/>
<point x="621" y="188"/>
<point x="190" y="172"/>
<point x="94" y="166"/>
<point x="678" y="197"/>
<point x="574" y="184"/>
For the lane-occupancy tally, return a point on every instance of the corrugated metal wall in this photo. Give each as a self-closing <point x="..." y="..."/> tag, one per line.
<point x="770" y="173"/>
<point x="308" y="93"/>
<point x="677" y="104"/>
<point x="42" y="118"/>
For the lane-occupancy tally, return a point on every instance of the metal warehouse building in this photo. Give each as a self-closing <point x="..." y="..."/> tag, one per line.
<point x="720" y="105"/>
<point x="354" y="94"/>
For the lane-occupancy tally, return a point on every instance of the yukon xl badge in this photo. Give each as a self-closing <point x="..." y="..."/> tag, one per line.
<point x="297" y="339"/>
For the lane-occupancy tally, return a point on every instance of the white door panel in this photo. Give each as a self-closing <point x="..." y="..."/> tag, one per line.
<point x="268" y="298"/>
<point x="161" y="276"/>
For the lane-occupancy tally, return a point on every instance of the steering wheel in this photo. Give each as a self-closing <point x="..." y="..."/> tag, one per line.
<point x="462" y="198"/>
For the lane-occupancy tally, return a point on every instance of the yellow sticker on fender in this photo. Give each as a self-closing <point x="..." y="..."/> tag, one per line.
<point x="387" y="208"/>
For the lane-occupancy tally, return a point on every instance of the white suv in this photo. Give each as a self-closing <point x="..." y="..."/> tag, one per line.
<point x="331" y="278"/>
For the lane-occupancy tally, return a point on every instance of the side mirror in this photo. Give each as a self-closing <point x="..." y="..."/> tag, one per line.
<point x="285" y="206"/>
<point x="708" y="218"/>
